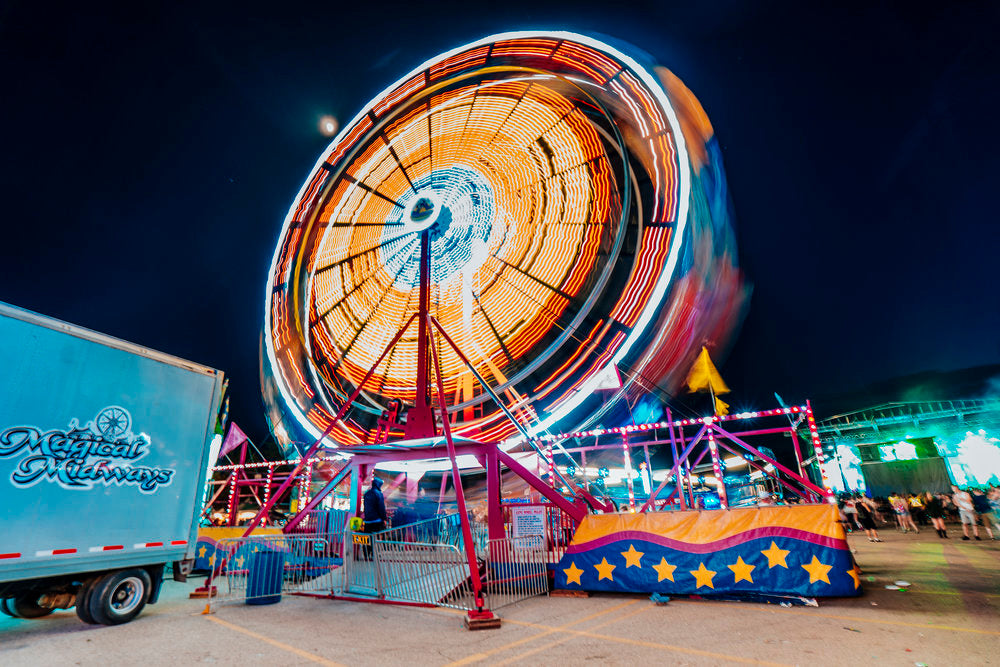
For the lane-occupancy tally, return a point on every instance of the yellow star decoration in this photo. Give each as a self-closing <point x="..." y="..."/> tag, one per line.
<point x="855" y="576"/>
<point x="211" y="560"/>
<point x="703" y="575"/>
<point x="776" y="556"/>
<point x="664" y="570"/>
<point x="742" y="570"/>
<point x="632" y="556"/>
<point x="817" y="571"/>
<point x="201" y="552"/>
<point x="573" y="574"/>
<point x="239" y="561"/>
<point x="604" y="569"/>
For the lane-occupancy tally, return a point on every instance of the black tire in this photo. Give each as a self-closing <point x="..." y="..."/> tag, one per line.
<point x="6" y="608"/>
<point x="83" y="602"/>
<point x="26" y="606"/>
<point x="118" y="597"/>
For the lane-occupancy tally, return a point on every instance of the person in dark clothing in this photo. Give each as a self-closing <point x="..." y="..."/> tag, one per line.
<point x="866" y="518"/>
<point x="982" y="506"/>
<point x="375" y="515"/>
<point x="935" y="512"/>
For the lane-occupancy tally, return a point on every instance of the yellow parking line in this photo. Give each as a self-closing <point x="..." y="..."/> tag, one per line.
<point x="557" y="642"/>
<point x="639" y="642"/>
<point x="475" y="657"/>
<point x="273" y="642"/>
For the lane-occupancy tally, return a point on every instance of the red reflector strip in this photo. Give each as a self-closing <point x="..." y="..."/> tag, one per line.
<point x="115" y="547"/>
<point x="146" y="545"/>
<point x="10" y="555"/>
<point x="55" y="552"/>
<point x="178" y="542"/>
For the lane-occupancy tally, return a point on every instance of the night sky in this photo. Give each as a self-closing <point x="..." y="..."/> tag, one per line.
<point x="151" y="152"/>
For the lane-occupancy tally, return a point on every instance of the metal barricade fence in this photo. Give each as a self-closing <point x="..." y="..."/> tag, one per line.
<point x="328" y="522"/>
<point x="517" y="569"/>
<point x="436" y="574"/>
<point x="444" y="529"/>
<point x="560" y="528"/>
<point x="259" y="567"/>
<point x="423" y="562"/>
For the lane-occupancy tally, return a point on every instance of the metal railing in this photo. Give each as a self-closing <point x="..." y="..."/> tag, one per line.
<point x="517" y="569"/>
<point x="559" y="529"/>
<point x="259" y="568"/>
<point x="323" y="521"/>
<point x="436" y="574"/>
<point x="905" y="416"/>
<point x="423" y="562"/>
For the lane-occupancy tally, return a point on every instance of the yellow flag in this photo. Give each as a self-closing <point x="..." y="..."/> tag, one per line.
<point x="721" y="407"/>
<point x="704" y="376"/>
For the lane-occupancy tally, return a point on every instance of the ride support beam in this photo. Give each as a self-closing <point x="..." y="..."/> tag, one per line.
<point x="420" y="418"/>
<point x="675" y="472"/>
<point x="463" y="513"/>
<point x="358" y="486"/>
<point x="319" y="441"/>
<point x="798" y="452"/>
<point x="317" y="499"/>
<point x="720" y="481"/>
<point x="554" y="496"/>
<point x="676" y="459"/>
<point x="494" y="509"/>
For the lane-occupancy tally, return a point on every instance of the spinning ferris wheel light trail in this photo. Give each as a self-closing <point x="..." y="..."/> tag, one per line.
<point x="543" y="206"/>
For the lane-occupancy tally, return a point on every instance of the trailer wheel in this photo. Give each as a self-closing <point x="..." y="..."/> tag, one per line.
<point x="26" y="606"/>
<point x="4" y="602"/>
<point x="118" y="597"/>
<point x="83" y="601"/>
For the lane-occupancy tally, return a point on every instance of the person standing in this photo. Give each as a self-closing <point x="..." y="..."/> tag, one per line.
<point x="966" y="511"/>
<point x="376" y="518"/>
<point x="993" y="498"/>
<point x="916" y="502"/>
<point x="898" y="505"/>
<point x="902" y="510"/>
<point x="982" y="506"/>
<point x="866" y="518"/>
<point x="850" y="511"/>
<point x="934" y="509"/>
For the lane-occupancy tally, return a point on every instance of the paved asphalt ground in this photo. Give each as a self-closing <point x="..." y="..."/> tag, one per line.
<point x="950" y="615"/>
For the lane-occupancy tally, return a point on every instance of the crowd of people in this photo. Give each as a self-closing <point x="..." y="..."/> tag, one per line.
<point x="972" y="508"/>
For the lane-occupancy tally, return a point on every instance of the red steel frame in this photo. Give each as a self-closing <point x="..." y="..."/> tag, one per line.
<point x="421" y="424"/>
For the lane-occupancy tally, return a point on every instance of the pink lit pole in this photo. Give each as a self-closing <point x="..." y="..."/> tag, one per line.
<point x="818" y="450"/>
<point x="720" y="483"/>
<point x="628" y="471"/>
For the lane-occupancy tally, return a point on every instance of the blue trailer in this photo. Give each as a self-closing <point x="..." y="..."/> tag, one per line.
<point x="104" y="448"/>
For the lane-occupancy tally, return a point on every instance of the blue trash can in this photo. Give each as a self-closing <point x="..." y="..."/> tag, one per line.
<point x="264" y="577"/>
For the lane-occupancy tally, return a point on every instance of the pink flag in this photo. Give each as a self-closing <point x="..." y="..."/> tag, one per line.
<point x="234" y="439"/>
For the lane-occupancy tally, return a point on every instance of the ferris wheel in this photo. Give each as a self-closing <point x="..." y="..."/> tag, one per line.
<point x="542" y="199"/>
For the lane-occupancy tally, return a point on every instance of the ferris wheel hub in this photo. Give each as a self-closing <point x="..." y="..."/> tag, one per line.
<point x="423" y="212"/>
